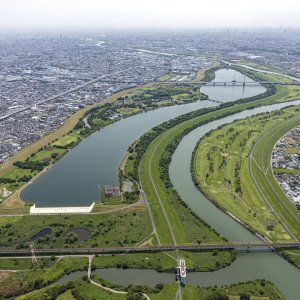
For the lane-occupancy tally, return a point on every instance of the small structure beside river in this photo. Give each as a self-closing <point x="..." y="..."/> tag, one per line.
<point x="111" y="191"/>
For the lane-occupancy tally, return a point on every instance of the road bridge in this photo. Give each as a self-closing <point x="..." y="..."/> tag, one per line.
<point x="239" y="247"/>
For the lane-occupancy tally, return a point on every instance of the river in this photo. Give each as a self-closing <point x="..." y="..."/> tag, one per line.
<point x="75" y="179"/>
<point x="249" y="266"/>
<point x="231" y="92"/>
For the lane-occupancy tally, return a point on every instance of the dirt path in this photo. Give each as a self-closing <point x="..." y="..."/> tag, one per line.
<point x="115" y="291"/>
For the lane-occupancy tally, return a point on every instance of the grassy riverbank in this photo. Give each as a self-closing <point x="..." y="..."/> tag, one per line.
<point x="259" y="289"/>
<point x="154" y="151"/>
<point x="153" y="166"/>
<point x="20" y="282"/>
<point x="29" y="163"/>
<point x="203" y="261"/>
<point x="8" y="169"/>
<point x="220" y="169"/>
<point x="82" y="289"/>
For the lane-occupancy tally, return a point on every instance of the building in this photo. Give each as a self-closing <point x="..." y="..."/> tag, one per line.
<point x="111" y="191"/>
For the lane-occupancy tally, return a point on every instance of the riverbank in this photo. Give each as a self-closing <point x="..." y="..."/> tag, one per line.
<point x="165" y="141"/>
<point x="130" y="102"/>
<point x="85" y="289"/>
<point x="220" y="170"/>
<point x="69" y="124"/>
<point x="51" y="280"/>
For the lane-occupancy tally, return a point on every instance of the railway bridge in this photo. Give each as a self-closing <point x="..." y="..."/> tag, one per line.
<point x="236" y="246"/>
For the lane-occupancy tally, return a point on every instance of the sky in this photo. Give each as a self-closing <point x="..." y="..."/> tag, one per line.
<point x="138" y="14"/>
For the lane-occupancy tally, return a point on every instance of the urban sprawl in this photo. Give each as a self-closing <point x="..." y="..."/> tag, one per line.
<point x="45" y="79"/>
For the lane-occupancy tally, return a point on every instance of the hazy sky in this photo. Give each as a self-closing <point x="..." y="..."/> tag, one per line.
<point x="151" y="13"/>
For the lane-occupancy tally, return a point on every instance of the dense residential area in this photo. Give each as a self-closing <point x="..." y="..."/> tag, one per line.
<point x="45" y="80"/>
<point x="286" y="164"/>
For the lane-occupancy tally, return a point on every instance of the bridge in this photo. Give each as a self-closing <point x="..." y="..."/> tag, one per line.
<point x="237" y="246"/>
<point x="209" y="83"/>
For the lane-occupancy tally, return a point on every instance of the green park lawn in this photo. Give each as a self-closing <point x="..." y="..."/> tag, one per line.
<point x="46" y="154"/>
<point x="66" y="140"/>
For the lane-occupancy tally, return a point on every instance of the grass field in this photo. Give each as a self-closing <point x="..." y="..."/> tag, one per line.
<point x="150" y="166"/>
<point x="258" y="290"/>
<point x="117" y="229"/>
<point x="46" y="153"/>
<point x="221" y="168"/>
<point x="186" y="228"/>
<point x="24" y="263"/>
<point x="200" y="73"/>
<point x="66" y="140"/>
<point x="197" y="261"/>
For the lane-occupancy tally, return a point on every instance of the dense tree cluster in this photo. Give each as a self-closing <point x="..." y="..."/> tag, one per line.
<point x="32" y="165"/>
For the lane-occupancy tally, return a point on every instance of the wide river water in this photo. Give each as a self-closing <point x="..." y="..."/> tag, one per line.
<point x="74" y="180"/>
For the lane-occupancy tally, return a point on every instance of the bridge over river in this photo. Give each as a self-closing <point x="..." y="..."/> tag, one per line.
<point x="209" y="83"/>
<point x="237" y="246"/>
